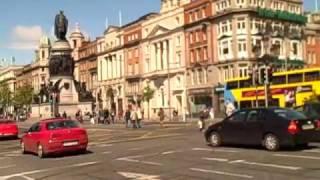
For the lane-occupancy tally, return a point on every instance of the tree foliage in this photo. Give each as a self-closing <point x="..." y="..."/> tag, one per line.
<point x="5" y="95"/>
<point x="23" y="96"/>
<point x="148" y="94"/>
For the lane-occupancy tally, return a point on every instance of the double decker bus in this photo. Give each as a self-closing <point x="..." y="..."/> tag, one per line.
<point x="287" y="89"/>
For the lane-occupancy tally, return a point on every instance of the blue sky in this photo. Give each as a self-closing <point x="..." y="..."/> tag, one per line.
<point x="23" y="22"/>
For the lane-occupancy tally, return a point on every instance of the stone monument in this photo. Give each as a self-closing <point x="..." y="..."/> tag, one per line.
<point x="63" y="92"/>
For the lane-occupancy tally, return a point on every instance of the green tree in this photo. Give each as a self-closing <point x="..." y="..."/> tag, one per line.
<point x="23" y="96"/>
<point x="5" y="96"/>
<point x="148" y="94"/>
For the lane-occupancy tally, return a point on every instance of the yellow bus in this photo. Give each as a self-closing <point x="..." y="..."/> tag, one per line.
<point x="290" y="88"/>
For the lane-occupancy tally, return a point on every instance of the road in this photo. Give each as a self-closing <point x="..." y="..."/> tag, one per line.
<point x="173" y="153"/>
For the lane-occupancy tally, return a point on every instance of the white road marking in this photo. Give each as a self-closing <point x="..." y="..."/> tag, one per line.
<point x="297" y="156"/>
<point x="138" y="176"/>
<point x="312" y="150"/>
<point x="222" y="173"/>
<point x="135" y="149"/>
<point x="10" y="152"/>
<point x="265" y="165"/>
<point x="214" y="150"/>
<point x="170" y="152"/>
<point x="46" y="170"/>
<point x="8" y="166"/>
<point x="138" y="161"/>
<point x="104" y="145"/>
<point x="107" y="152"/>
<point x="216" y="159"/>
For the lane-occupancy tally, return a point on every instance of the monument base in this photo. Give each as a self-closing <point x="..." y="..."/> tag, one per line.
<point x="44" y="111"/>
<point x="68" y="93"/>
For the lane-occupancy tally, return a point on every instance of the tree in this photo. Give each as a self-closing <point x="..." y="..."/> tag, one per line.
<point x="148" y="94"/>
<point x="5" y="96"/>
<point x="23" y="96"/>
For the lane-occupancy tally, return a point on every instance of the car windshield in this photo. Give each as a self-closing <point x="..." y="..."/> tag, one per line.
<point x="290" y="114"/>
<point x="62" y="125"/>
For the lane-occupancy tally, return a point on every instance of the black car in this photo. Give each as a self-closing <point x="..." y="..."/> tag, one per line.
<point x="269" y="127"/>
<point x="312" y="110"/>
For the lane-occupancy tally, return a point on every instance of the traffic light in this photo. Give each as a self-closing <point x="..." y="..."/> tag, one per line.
<point x="262" y="75"/>
<point x="270" y="74"/>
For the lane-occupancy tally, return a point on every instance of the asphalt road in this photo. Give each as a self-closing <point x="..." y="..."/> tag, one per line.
<point x="173" y="153"/>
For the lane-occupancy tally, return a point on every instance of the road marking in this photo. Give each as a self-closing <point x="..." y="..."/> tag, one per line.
<point x="46" y="170"/>
<point x="171" y="152"/>
<point x="10" y="152"/>
<point x="135" y="149"/>
<point x="138" y="176"/>
<point x="107" y="152"/>
<point x="222" y="173"/>
<point x="214" y="150"/>
<point x="297" y="156"/>
<point x="216" y="159"/>
<point x="8" y="166"/>
<point x="104" y="145"/>
<point x="138" y="161"/>
<point x="312" y="150"/>
<point x="265" y="165"/>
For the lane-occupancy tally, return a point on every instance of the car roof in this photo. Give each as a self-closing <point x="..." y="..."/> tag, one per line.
<point x="263" y="108"/>
<point x="53" y="120"/>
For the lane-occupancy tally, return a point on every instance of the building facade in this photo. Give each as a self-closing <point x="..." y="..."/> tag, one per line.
<point x="312" y="36"/>
<point x="36" y="74"/>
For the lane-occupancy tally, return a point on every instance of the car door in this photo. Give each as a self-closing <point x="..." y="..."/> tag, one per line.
<point x="33" y="137"/>
<point x="254" y="126"/>
<point x="233" y="128"/>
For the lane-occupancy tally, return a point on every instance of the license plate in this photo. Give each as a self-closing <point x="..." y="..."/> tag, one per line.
<point x="67" y="144"/>
<point x="309" y="126"/>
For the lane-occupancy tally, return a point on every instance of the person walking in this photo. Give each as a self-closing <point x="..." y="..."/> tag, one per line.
<point x="127" y="117"/>
<point x="161" y="117"/>
<point x="134" y="118"/>
<point x="64" y="115"/>
<point x="139" y="117"/>
<point x="211" y="113"/>
<point x="203" y="116"/>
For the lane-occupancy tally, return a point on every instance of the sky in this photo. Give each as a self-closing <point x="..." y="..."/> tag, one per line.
<point x="23" y="22"/>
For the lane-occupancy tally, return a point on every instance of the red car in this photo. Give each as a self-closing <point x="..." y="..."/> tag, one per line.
<point x="8" y="129"/>
<point x="55" y="136"/>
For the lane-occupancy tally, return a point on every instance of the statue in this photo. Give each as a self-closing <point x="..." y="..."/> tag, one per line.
<point x="61" y="26"/>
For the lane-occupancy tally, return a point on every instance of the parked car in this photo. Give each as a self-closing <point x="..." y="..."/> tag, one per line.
<point x="55" y="136"/>
<point x="269" y="127"/>
<point x="312" y="110"/>
<point x="8" y="129"/>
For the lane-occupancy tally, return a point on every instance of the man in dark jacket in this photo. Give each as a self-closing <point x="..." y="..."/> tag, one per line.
<point x="127" y="117"/>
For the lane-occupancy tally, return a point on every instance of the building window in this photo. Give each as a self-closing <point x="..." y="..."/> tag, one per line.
<point x="200" y="76"/>
<point x="205" y="53"/>
<point x="191" y="38"/>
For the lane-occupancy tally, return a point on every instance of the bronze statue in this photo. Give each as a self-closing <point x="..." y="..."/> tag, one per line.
<point x="61" y="26"/>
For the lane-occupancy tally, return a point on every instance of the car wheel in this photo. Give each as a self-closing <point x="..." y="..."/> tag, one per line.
<point x="215" y="139"/>
<point x="23" y="148"/>
<point x="41" y="152"/>
<point x="271" y="142"/>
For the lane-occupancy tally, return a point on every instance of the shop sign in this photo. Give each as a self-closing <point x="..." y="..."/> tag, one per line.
<point x="282" y="15"/>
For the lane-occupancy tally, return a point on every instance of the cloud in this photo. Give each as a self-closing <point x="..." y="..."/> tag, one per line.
<point x="25" y="37"/>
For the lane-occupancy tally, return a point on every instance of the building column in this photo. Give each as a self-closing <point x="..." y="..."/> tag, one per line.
<point x="158" y="59"/>
<point x="170" y="53"/>
<point x="153" y="57"/>
<point x="165" y="54"/>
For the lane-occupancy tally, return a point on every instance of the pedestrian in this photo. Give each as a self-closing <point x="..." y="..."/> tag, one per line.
<point x="92" y="120"/>
<point x="230" y="108"/>
<point x="134" y="118"/>
<point x="139" y="116"/>
<point x="211" y="113"/>
<point x="161" y="117"/>
<point x="127" y="117"/>
<point x="112" y="115"/>
<point x="64" y="115"/>
<point x="106" y="117"/>
<point x="202" y="117"/>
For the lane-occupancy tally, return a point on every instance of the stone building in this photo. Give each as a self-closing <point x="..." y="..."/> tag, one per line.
<point x="312" y="36"/>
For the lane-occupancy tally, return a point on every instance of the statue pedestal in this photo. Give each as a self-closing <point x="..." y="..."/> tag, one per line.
<point x="68" y="93"/>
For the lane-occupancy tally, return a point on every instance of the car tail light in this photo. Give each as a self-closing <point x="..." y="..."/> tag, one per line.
<point x="293" y="128"/>
<point x="318" y="123"/>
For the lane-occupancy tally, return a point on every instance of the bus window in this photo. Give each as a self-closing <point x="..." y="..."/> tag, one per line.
<point x="312" y="76"/>
<point x="294" y="78"/>
<point x="232" y="85"/>
<point x="246" y="83"/>
<point x="279" y="79"/>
